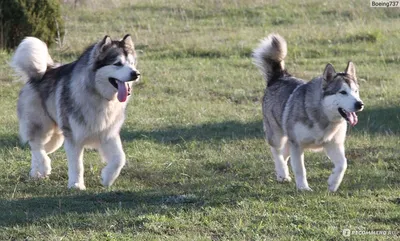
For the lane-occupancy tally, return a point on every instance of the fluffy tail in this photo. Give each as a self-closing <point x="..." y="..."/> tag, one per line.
<point x="269" y="57"/>
<point x="31" y="59"/>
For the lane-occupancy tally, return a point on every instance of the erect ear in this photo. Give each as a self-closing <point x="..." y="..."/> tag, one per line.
<point x="351" y="70"/>
<point x="127" y="40"/>
<point x="328" y="75"/>
<point x="105" y="43"/>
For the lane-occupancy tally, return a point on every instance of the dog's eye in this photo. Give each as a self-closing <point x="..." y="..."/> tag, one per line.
<point x="343" y="92"/>
<point x="118" y="63"/>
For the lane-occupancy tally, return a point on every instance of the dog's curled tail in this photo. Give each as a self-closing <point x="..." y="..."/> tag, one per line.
<point x="269" y="57"/>
<point x="31" y="59"/>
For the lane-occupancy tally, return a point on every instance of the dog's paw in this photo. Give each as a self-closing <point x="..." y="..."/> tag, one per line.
<point x="77" y="186"/>
<point x="106" y="181"/>
<point x="108" y="176"/>
<point x="333" y="184"/>
<point x="333" y="188"/>
<point x="283" y="179"/>
<point x="45" y="171"/>
<point x="304" y="188"/>
<point x="35" y="174"/>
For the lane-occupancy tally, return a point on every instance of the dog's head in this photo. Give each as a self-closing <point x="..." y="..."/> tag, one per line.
<point x="341" y="95"/>
<point x="115" y="67"/>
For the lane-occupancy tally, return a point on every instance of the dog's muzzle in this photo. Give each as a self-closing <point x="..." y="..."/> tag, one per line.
<point x="358" y="106"/>
<point x="134" y="75"/>
<point x="352" y="117"/>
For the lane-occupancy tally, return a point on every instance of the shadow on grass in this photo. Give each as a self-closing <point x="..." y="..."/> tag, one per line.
<point x="129" y="206"/>
<point x="383" y="121"/>
<point x="9" y="140"/>
<point x="379" y="121"/>
<point x="370" y="168"/>
<point x="229" y="130"/>
<point x="23" y="211"/>
<point x="118" y="203"/>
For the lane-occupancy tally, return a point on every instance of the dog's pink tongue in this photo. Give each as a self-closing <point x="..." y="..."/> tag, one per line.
<point x="353" y="119"/>
<point x="122" y="91"/>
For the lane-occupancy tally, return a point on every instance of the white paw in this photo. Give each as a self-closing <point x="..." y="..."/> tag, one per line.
<point x="333" y="188"/>
<point x="78" y="186"/>
<point x="45" y="171"/>
<point x="108" y="176"/>
<point x="283" y="179"/>
<point x="106" y="181"/>
<point x="35" y="174"/>
<point x="333" y="184"/>
<point x="304" y="188"/>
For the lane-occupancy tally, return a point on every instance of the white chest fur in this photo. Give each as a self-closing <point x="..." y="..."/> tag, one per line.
<point x="314" y="137"/>
<point x="101" y="122"/>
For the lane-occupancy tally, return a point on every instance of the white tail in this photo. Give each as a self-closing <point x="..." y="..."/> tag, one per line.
<point x="270" y="54"/>
<point x="31" y="59"/>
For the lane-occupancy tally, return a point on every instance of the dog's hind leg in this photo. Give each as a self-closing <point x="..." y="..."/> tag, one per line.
<point x="38" y="135"/>
<point x="54" y="143"/>
<point x="297" y="162"/>
<point x="112" y="153"/>
<point x="41" y="163"/>
<point x="36" y="128"/>
<point x="281" y="156"/>
<point x="279" y="150"/>
<point x="335" y="152"/>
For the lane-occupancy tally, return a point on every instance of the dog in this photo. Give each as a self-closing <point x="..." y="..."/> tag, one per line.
<point x="299" y="115"/>
<point x="81" y="104"/>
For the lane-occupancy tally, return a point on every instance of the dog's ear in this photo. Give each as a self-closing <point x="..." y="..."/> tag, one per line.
<point x="328" y="75"/>
<point x="105" y="43"/>
<point x="127" y="40"/>
<point x="351" y="69"/>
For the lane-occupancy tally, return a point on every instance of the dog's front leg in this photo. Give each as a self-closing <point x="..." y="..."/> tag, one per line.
<point x="335" y="152"/>
<point x="299" y="170"/>
<point x="75" y="164"/>
<point x="112" y="153"/>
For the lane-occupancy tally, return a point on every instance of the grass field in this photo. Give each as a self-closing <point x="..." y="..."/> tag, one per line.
<point x="198" y="167"/>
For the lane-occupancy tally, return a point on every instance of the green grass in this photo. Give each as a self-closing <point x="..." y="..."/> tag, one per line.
<point x="198" y="167"/>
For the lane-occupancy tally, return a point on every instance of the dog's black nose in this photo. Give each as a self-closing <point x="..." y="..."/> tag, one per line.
<point x="358" y="105"/>
<point x="135" y="75"/>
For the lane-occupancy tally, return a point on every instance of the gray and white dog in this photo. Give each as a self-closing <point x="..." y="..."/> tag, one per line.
<point x="82" y="102"/>
<point x="299" y="115"/>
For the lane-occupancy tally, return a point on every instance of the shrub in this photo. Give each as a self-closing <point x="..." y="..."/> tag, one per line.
<point x="38" y="18"/>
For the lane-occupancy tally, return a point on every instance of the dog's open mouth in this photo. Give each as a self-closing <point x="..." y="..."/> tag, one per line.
<point x="350" y="117"/>
<point x="124" y="90"/>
